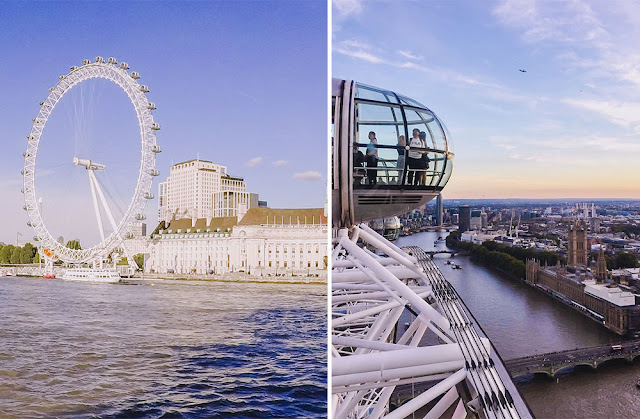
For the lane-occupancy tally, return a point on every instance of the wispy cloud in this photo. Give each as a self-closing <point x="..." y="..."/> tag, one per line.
<point x="347" y="7"/>
<point x="247" y="95"/>
<point x="254" y="161"/>
<point x="409" y="55"/>
<point x="620" y="113"/>
<point x="280" y="163"/>
<point x="307" y="176"/>
<point x="569" y="21"/>
<point x="363" y="51"/>
<point x="359" y="50"/>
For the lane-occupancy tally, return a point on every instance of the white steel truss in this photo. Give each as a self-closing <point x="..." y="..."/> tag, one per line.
<point x="439" y="351"/>
<point x="117" y="73"/>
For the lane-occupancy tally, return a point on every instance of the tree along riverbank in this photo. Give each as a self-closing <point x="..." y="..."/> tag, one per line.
<point x="509" y="260"/>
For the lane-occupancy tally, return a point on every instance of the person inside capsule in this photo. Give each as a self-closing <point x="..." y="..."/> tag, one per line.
<point x="424" y="160"/>
<point x="414" y="157"/>
<point x="372" y="158"/>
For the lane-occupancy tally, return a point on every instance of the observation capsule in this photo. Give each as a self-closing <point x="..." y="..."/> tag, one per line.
<point x="112" y="60"/>
<point x="144" y="88"/>
<point x="135" y="75"/>
<point x="156" y="148"/>
<point x="151" y="106"/>
<point x="99" y="60"/>
<point x="85" y="62"/>
<point x="391" y="154"/>
<point x="154" y="172"/>
<point x="124" y="66"/>
<point x="148" y="195"/>
<point x="141" y="217"/>
<point x="155" y="126"/>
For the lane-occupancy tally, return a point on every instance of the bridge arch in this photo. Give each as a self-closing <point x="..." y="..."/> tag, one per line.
<point x="626" y="357"/>
<point x="555" y="371"/>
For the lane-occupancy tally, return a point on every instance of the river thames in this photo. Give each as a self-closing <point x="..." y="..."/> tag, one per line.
<point x="521" y="321"/>
<point x="172" y="348"/>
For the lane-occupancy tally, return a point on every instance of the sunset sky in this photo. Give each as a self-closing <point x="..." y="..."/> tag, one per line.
<point x="567" y="127"/>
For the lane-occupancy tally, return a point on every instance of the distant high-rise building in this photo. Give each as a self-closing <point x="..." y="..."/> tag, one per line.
<point x="594" y="224"/>
<point x="464" y="222"/>
<point x="577" y="245"/>
<point x="139" y="229"/>
<point x="202" y="189"/>
<point x="439" y="210"/>
<point x="476" y="220"/>
<point x="484" y="219"/>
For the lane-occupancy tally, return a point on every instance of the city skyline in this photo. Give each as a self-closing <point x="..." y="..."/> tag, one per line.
<point x="553" y="130"/>
<point x="226" y="78"/>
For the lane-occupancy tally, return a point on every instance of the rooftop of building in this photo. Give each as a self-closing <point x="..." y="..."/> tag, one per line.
<point x="284" y="216"/>
<point x="184" y="224"/>
<point x="193" y="160"/>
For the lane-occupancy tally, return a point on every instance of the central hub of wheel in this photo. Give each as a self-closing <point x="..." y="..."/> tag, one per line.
<point x="88" y="164"/>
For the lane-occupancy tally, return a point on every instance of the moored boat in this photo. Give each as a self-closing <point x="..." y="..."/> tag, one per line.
<point x="91" y="275"/>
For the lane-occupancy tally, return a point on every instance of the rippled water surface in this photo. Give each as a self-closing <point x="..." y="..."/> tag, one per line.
<point x="163" y="348"/>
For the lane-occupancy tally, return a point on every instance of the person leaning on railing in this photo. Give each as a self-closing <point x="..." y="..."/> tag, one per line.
<point x="414" y="158"/>
<point x="424" y="160"/>
<point x="372" y="158"/>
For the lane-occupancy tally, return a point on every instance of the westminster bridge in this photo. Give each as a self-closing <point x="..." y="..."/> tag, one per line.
<point x="552" y="363"/>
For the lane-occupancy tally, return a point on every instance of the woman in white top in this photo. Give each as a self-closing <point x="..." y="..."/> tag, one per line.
<point x="414" y="158"/>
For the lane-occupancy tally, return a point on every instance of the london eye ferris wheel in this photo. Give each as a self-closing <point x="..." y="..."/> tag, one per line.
<point x="117" y="230"/>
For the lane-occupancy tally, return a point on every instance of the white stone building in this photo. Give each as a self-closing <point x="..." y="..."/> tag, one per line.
<point x="202" y="189"/>
<point x="263" y="242"/>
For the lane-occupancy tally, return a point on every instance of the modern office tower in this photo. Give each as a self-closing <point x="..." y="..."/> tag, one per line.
<point x="464" y="222"/>
<point x="439" y="210"/>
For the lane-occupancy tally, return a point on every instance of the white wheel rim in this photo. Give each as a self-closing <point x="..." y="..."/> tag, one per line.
<point x="120" y="77"/>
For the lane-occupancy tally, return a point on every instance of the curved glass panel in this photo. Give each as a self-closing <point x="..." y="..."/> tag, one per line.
<point x="448" y="169"/>
<point x="410" y="102"/>
<point x="398" y="143"/>
<point x="372" y="93"/>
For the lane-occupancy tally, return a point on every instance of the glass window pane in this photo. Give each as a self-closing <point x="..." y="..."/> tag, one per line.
<point x="382" y="155"/>
<point x="371" y="93"/>
<point x="410" y="102"/>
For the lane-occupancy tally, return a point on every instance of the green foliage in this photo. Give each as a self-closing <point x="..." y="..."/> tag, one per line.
<point x="626" y="260"/>
<point x="123" y="261"/>
<point x="36" y="258"/>
<point x="5" y="253"/>
<point x="15" y="255"/>
<point x="621" y="260"/>
<point x="74" y="244"/>
<point x="496" y="255"/>
<point x="627" y="229"/>
<point x="139" y="259"/>
<point x="27" y="253"/>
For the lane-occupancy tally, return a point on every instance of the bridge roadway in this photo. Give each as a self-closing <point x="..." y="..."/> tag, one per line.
<point x="552" y="363"/>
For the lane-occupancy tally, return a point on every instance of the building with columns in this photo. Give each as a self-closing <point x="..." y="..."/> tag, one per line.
<point x="261" y="242"/>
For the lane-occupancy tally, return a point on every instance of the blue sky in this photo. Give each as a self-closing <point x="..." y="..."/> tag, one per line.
<point x="568" y="127"/>
<point x="239" y="83"/>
